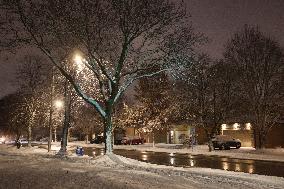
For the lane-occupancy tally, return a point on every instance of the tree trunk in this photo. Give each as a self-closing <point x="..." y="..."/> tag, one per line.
<point x="108" y="133"/>
<point x="55" y="137"/>
<point x="64" y="141"/>
<point x="17" y="140"/>
<point x="67" y="115"/>
<point x="50" y="137"/>
<point x="29" y="136"/>
<point x="87" y="138"/>
<point x="261" y="140"/>
<point x="50" y="129"/>
<point x="153" y="135"/>
<point x="210" y="144"/>
<point x="254" y="139"/>
<point x="50" y="112"/>
<point x="30" y="130"/>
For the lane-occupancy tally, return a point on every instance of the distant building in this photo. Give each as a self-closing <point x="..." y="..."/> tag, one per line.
<point x="242" y="131"/>
<point x="175" y="134"/>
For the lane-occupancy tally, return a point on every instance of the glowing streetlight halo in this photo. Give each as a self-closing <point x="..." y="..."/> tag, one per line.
<point x="58" y="104"/>
<point x="78" y="59"/>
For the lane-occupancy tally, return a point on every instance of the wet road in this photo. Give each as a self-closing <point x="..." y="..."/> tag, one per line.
<point x="188" y="160"/>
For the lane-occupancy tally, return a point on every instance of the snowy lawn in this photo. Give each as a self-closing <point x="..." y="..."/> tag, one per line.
<point x="35" y="168"/>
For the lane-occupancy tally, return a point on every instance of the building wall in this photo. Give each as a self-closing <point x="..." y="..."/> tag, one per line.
<point x="130" y="131"/>
<point x="179" y="132"/>
<point x="201" y="136"/>
<point x="160" y="135"/>
<point x="275" y="138"/>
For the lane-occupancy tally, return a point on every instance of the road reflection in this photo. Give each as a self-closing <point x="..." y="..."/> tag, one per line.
<point x="188" y="160"/>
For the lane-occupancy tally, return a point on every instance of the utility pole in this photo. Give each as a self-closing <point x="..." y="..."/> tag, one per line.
<point x="51" y="110"/>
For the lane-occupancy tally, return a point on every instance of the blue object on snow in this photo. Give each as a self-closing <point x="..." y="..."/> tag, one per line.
<point x="79" y="151"/>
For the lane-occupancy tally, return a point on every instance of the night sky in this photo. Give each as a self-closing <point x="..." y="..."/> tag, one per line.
<point x="217" y="19"/>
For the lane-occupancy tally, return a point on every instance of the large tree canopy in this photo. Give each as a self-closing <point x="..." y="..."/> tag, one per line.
<point x="119" y="41"/>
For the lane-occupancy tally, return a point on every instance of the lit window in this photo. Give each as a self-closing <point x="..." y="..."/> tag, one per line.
<point x="236" y="126"/>
<point x="248" y="126"/>
<point x="172" y="161"/>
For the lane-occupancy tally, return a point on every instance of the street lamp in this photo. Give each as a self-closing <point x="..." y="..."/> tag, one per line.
<point x="58" y="104"/>
<point x="78" y="58"/>
<point x="79" y="61"/>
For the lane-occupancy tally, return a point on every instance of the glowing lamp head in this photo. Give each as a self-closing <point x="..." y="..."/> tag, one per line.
<point x="248" y="126"/>
<point x="78" y="59"/>
<point x="224" y="126"/>
<point x="79" y="62"/>
<point x="58" y="104"/>
<point x="236" y="126"/>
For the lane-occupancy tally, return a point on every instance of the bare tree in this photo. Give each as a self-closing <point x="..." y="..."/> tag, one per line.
<point x="13" y="119"/>
<point x="117" y="39"/>
<point x="152" y="111"/>
<point x="31" y="76"/>
<point x="205" y="96"/>
<point x="260" y="63"/>
<point x="85" y="122"/>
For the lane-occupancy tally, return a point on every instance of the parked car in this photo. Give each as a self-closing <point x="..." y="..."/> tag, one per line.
<point x="132" y="140"/>
<point x="44" y="139"/>
<point x="225" y="142"/>
<point x="10" y="142"/>
<point x="72" y="139"/>
<point x="23" y="141"/>
<point x="98" y="140"/>
<point x="2" y="140"/>
<point x="118" y="141"/>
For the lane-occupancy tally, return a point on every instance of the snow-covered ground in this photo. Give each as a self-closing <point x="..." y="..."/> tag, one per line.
<point x="35" y="168"/>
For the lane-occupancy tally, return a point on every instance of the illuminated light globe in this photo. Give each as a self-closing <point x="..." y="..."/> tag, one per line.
<point x="58" y="104"/>
<point x="79" y="62"/>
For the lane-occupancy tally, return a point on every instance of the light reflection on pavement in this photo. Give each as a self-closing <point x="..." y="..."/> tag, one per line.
<point x="188" y="160"/>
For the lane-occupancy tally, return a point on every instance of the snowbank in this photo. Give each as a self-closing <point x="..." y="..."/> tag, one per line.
<point x="51" y="171"/>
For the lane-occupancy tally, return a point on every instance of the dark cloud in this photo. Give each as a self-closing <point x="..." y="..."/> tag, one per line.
<point x="218" y="19"/>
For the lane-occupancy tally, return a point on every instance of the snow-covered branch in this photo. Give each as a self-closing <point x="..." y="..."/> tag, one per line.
<point x="131" y="80"/>
<point x="75" y="85"/>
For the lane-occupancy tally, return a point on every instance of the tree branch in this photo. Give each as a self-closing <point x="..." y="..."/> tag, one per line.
<point x="130" y="81"/>
<point x="76" y="86"/>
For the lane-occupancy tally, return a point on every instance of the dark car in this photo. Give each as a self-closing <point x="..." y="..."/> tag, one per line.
<point x="225" y="142"/>
<point x="132" y="140"/>
<point x="98" y="140"/>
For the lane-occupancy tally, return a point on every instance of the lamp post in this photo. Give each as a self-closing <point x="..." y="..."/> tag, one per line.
<point x="67" y="106"/>
<point x="53" y="103"/>
<point x="58" y="104"/>
<point x="67" y="117"/>
<point x="51" y="110"/>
